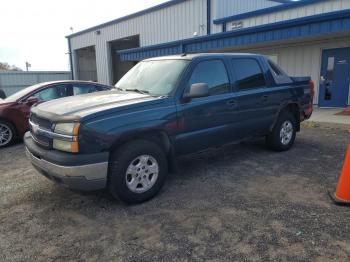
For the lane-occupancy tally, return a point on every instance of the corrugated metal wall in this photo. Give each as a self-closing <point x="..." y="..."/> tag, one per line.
<point x="308" y="10"/>
<point x="225" y="8"/>
<point x="12" y="82"/>
<point x="171" y="23"/>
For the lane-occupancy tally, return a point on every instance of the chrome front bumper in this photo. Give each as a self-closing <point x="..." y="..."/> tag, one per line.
<point x="82" y="177"/>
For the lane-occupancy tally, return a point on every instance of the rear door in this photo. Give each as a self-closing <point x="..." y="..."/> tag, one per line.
<point x="207" y="121"/>
<point x="335" y="78"/>
<point x="253" y="96"/>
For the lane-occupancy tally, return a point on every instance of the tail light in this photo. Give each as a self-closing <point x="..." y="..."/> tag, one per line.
<point x="312" y="88"/>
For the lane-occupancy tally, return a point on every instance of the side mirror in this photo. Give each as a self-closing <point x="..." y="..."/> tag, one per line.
<point x="197" y="90"/>
<point x="32" y="100"/>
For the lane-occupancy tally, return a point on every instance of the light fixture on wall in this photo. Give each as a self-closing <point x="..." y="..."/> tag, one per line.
<point x="98" y="32"/>
<point x="201" y="28"/>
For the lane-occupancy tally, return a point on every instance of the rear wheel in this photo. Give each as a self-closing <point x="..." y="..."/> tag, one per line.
<point x="7" y="133"/>
<point x="137" y="171"/>
<point x="283" y="134"/>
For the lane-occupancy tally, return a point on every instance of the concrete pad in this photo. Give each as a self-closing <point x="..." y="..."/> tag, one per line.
<point x="328" y="115"/>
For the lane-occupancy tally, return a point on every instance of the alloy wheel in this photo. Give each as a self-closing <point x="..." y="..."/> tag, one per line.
<point x="142" y="174"/>
<point x="5" y="134"/>
<point x="286" y="132"/>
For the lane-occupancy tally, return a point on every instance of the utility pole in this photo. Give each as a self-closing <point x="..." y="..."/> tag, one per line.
<point x="27" y="66"/>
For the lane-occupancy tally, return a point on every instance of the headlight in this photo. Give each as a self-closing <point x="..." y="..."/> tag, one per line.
<point x="66" y="146"/>
<point x="67" y="128"/>
<point x="66" y="137"/>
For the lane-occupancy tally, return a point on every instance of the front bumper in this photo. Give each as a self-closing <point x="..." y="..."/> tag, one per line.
<point x="81" y="172"/>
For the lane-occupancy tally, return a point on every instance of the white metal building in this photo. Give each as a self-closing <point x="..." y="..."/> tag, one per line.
<point x="306" y="37"/>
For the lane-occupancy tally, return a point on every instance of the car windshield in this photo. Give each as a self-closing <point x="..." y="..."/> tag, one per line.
<point x="155" y="77"/>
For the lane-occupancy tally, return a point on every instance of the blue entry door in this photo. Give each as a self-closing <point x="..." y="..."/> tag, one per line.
<point x="335" y="78"/>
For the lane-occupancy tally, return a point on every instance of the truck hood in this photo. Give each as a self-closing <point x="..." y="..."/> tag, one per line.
<point x="77" y="107"/>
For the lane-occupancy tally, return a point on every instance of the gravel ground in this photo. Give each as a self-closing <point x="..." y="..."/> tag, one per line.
<point x="235" y="203"/>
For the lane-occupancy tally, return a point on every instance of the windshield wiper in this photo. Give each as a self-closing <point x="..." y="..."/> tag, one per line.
<point x="138" y="91"/>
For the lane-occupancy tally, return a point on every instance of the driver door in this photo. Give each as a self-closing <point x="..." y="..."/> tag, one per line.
<point x="207" y="121"/>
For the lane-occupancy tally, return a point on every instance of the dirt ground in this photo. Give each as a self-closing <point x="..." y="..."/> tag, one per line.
<point x="236" y="203"/>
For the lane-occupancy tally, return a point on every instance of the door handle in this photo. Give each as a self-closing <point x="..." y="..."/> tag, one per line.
<point x="264" y="98"/>
<point x="231" y="103"/>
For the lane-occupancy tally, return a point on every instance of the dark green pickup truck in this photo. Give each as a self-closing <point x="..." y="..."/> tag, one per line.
<point x="127" y="140"/>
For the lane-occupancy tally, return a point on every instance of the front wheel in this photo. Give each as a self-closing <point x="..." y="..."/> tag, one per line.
<point x="7" y="133"/>
<point x="283" y="133"/>
<point x="137" y="171"/>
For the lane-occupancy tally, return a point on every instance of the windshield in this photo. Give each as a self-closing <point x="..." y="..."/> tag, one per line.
<point x="153" y="77"/>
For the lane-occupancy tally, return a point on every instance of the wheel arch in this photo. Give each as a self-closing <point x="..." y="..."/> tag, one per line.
<point x="293" y="108"/>
<point x="15" y="129"/>
<point x="158" y="137"/>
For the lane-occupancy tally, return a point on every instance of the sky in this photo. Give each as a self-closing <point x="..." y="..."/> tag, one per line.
<point x="35" y="30"/>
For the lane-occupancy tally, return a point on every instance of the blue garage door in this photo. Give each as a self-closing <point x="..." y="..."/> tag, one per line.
<point x="335" y="78"/>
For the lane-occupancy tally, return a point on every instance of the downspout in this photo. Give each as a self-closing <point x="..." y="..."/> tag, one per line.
<point x="70" y="58"/>
<point x="208" y="16"/>
<point x="224" y="27"/>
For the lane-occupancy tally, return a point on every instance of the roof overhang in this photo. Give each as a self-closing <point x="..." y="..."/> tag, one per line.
<point x="309" y="26"/>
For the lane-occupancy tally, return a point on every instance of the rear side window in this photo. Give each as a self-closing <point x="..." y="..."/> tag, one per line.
<point x="213" y="73"/>
<point x="248" y="73"/>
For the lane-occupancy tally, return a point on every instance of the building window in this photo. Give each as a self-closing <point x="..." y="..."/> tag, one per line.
<point x="330" y="70"/>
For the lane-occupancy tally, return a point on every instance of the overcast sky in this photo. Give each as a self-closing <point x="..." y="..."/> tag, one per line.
<point x="35" y="30"/>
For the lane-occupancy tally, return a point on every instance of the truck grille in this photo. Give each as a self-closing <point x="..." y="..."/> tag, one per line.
<point x="39" y="138"/>
<point x="42" y="122"/>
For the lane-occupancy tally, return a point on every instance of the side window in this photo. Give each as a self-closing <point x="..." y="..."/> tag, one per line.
<point x="79" y="89"/>
<point x="214" y="74"/>
<point x="248" y="73"/>
<point x="53" y="92"/>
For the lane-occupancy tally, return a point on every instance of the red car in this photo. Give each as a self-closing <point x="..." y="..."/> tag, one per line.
<point x="15" y="109"/>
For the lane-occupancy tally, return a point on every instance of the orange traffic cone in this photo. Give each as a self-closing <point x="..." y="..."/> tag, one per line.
<point x="342" y="193"/>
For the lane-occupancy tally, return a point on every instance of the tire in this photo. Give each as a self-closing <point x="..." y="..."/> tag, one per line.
<point x="137" y="171"/>
<point x="7" y="133"/>
<point x="283" y="133"/>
